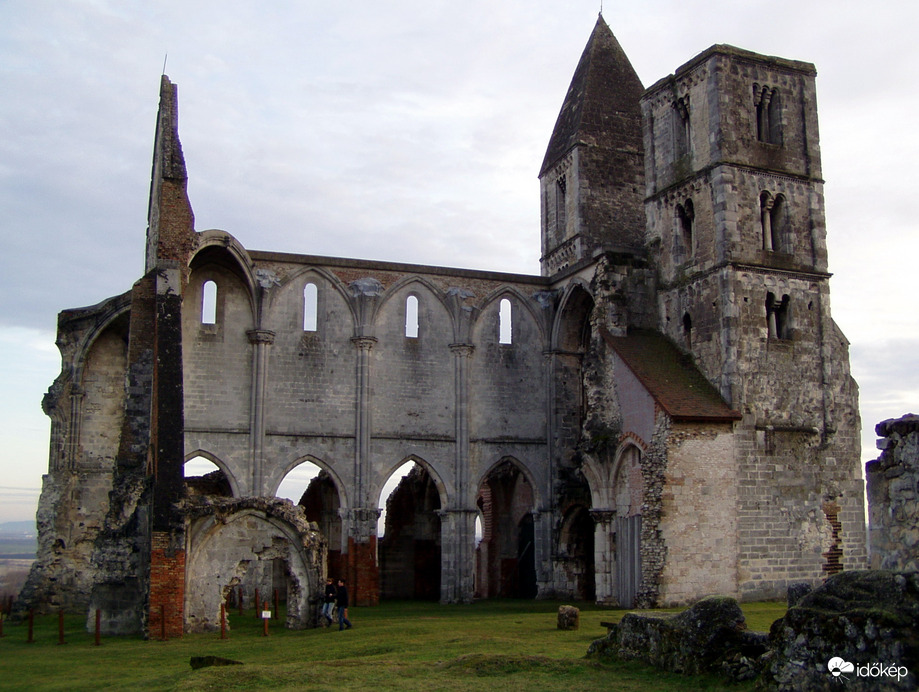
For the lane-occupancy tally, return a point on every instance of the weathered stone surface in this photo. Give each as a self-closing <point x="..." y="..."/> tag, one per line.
<point x="893" y="496"/>
<point x="569" y="617"/>
<point x="864" y="617"/>
<point x="709" y="637"/>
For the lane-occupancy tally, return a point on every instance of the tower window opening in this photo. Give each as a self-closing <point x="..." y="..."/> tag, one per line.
<point x="686" y="215"/>
<point x="209" y="302"/>
<point x="310" y="307"/>
<point x="411" y="317"/>
<point x="774" y="222"/>
<point x="504" y="322"/>
<point x="768" y="114"/>
<point x="777" y="316"/>
<point x="681" y="133"/>
<point x="687" y="329"/>
<point x="561" y="216"/>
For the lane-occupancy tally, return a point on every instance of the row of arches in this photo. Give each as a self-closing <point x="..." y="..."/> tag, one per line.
<point x="409" y="536"/>
<point x="593" y="554"/>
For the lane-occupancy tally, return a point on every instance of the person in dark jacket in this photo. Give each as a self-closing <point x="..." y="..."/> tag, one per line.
<point x="329" y="603"/>
<point x="341" y="596"/>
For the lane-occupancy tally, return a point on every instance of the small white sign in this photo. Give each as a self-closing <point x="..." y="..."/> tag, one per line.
<point x="266" y="615"/>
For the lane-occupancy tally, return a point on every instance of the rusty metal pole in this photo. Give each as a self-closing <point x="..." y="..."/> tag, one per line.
<point x="31" y="639"/>
<point x="265" y="620"/>
<point x="60" y="627"/>
<point x="223" y="621"/>
<point x="98" y="626"/>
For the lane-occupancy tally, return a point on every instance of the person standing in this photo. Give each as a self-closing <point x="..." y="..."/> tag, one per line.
<point x="341" y="596"/>
<point x="329" y="604"/>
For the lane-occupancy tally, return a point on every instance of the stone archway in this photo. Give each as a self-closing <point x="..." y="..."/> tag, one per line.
<point x="576" y="552"/>
<point x="505" y="557"/>
<point x="410" y="549"/>
<point x="628" y="489"/>
<point x="321" y="504"/>
<point x="244" y="543"/>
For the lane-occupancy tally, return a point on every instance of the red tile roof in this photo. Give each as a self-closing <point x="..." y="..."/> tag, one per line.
<point x="670" y="377"/>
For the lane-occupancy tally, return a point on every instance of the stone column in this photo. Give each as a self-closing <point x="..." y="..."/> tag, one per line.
<point x="261" y="339"/>
<point x="604" y="556"/>
<point x="457" y="555"/>
<point x="457" y="524"/>
<point x="362" y="418"/>
<point x="461" y="355"/>
<point x="766" y="212"/>
<point x="362" y="564"/>
<point x="542" y="545"/>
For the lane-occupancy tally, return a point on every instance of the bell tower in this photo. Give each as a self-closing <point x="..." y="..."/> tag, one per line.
<point x="592" y="177"/>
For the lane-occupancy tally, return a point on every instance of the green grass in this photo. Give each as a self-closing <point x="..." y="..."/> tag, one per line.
<point x="506" y="645"/>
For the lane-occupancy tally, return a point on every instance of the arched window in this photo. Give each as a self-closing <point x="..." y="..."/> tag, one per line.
<point x="687" y="329"/>
<point x="774" y="222"/>
<point x="778" y="224"/>
<point x="209" y="302"/>
<point x="681" y="135"/>
<point x="561" y="219"/>
<point x="768" y="106"/>
<point x="411" y="317"/>
<point x="310" y="307"/>
<point x="686" y="215"/>
<point x="777" y="316"/>
<point x="504" y="322"/>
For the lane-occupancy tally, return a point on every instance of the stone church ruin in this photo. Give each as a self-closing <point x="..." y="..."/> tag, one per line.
<point x="665" y="412"/>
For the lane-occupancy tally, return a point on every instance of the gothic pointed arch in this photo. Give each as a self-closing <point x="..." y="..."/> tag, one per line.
<point x="220" y="464"/>
<point x="410" y="547"/>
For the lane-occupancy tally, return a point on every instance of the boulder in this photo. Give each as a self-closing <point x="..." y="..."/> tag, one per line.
<point x="569" y="617"/>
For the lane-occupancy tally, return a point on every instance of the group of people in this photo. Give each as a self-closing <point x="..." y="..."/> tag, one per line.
<point x="336" y="595"/>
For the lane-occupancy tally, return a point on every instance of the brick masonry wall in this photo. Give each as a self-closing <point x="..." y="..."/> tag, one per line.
<point x="167" y="588"/>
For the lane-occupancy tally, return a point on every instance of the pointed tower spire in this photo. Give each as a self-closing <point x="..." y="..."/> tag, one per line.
<point x="592" y="176"/>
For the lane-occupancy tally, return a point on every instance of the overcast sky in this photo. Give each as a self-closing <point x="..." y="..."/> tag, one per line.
<point x="398" y="130"/>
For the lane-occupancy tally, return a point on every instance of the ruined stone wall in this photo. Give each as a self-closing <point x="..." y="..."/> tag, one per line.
<point x="85" y="404"/>
<point x="893" y="487"/>
<point x="234" y="543"/>
<point x="699" y="513"/>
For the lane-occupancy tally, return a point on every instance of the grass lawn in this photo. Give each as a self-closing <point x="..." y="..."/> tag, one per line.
<point x="505" y="645"/>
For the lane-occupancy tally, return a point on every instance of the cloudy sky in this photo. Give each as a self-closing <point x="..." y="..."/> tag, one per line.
<point x="402" y="130"/>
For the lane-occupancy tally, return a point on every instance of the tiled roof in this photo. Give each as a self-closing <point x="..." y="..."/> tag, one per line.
<point x="670" y="377"/>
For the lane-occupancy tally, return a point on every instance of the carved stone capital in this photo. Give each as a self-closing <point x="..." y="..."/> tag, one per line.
<point x="603" y="516"/>
<point x="260" y="336"/>
<point x="462" y="350"/>
<point x="363" y="343"/>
